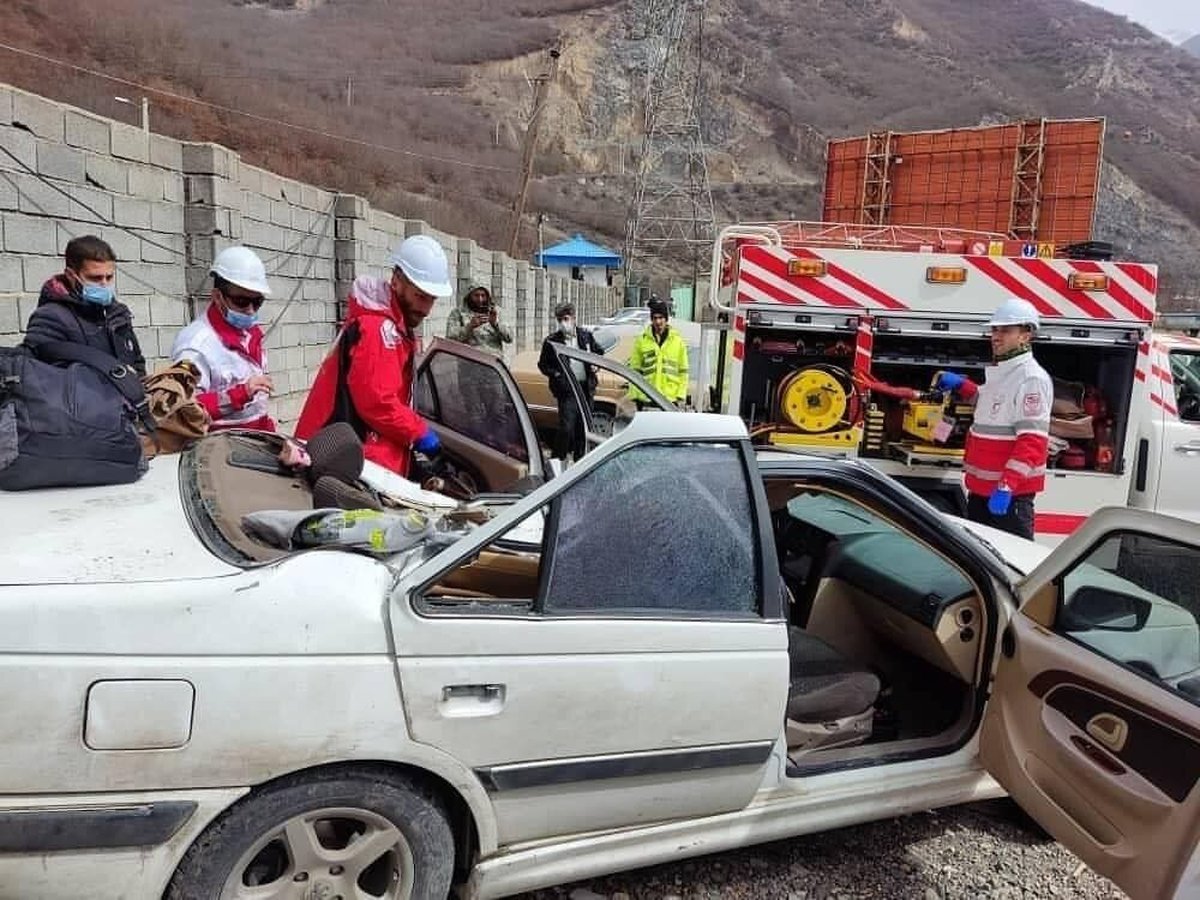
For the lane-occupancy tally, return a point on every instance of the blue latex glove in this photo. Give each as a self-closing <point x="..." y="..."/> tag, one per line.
<point x="428" y="443"/>
<point x="1000" y="502"/>
<point x="950" y="381"/>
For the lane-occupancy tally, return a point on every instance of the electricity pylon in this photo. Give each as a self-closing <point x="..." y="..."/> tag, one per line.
<point x="671" y="215"/>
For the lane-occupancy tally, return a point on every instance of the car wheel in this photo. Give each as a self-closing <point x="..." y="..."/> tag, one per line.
<point x="323" y="836"/>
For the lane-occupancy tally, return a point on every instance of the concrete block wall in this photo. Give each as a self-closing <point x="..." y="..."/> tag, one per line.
<point x="168" y="207"/>
<point x="292" y="226"/>
<point x="65" y="173"/>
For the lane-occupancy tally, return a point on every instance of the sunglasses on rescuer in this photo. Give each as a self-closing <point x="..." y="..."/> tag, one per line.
<point x="241" y="301"/>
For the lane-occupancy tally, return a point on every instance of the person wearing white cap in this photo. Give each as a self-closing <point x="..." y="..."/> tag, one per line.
<point x="226" y="344"/>
<point x="1004" y="465"/>
<point x="367" y="377"/>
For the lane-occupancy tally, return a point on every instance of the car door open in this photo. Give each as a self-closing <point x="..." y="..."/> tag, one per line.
<point x="1094" y="721"/>
<point x="473" y="403"/>
<point x="613" y="406"/>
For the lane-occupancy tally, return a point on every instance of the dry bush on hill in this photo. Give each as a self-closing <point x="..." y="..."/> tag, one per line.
<point x="779" y="76"/>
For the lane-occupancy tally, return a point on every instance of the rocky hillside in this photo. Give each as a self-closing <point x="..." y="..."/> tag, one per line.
<point x="435" y="98"/>
<point x="1192" y="45"/>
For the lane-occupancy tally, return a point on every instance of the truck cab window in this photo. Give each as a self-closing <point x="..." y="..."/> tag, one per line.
<point x="1185" y="370"/>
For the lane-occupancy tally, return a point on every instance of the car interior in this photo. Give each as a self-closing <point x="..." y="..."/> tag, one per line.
<point x="885" y="633"/>
<point x="232" y="474"/>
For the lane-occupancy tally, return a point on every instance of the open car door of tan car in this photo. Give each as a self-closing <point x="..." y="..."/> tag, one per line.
<point x="472" y="401"/>
<point x="1093" y="725"/>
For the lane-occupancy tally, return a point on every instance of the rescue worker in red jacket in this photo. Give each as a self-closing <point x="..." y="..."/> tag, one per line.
<point x="1005" y="461"/>
<point x="367" y="378"/>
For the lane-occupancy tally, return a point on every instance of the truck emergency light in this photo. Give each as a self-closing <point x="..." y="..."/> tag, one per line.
<point x="808" y="268"/>
<point x="946" y="275"/>
<point x="1087" y="281"/>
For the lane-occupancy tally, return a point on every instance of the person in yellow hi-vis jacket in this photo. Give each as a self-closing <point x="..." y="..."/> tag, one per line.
<point x="660" y="356"/>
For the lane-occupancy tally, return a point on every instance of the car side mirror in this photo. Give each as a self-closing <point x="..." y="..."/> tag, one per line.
<point x="1093" y="608"/>
<point x="605" y="339"/>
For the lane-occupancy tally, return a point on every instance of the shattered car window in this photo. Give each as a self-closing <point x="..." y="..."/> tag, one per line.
<point x="667" y="527"/>
<point x="471" y="399"/>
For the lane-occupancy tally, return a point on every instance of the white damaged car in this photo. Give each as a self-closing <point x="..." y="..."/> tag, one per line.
<point x="679" y="645"/>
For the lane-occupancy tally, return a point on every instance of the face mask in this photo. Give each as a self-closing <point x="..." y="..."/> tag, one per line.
<point x="566" y="326"/>
<point x="100" y="294"/>
<point x="241" y="321"/>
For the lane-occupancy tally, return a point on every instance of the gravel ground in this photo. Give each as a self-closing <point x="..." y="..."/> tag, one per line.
<point x="980" y="850"/>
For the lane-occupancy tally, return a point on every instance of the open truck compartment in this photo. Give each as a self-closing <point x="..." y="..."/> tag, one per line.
<point x="803" y="386"/>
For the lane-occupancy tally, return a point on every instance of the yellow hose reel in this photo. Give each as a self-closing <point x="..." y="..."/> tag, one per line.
<point x="813" y="400"/>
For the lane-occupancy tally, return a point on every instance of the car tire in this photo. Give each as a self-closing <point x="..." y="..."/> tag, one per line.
<point x="309" y="835"/>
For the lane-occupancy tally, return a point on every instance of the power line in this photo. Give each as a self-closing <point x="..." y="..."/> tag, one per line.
<point x="100" y="219"/>
<point x="429" y="157"/>
<point x="324" y="221"/>
<point x="327" y="219"/>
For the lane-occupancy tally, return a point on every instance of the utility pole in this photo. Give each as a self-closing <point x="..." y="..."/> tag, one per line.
<point x="671" y="214"/>
<point x="349" y="90"/>
<point x="145" y="110"/>
<point x="530" y="148"/>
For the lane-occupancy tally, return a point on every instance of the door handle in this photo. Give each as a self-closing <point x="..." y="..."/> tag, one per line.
<point x="1111" y="731"/>
<point x="471" y="701"/>
<point x="484" y="692"/>
<point x="1097" y="756"/>
<point x="1188" y="448"/>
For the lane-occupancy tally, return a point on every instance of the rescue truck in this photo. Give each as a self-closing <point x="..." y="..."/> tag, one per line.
<point x="839" y="331"/>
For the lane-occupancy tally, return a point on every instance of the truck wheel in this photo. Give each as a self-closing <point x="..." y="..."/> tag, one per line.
<point x="333" y="834"/>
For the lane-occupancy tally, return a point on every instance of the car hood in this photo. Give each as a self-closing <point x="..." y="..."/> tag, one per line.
<point x="85" y="535"/>
<point x="1021" y="554"/>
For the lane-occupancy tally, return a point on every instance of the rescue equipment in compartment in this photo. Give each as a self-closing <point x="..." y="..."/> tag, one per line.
<point x="821" y="407"/>
<point x="931" y="420"/>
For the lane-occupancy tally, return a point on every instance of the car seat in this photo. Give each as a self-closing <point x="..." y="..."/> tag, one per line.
<point x="831" y="700"/>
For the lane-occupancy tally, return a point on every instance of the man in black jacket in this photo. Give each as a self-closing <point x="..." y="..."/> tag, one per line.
<point x="570" y="436"/>
<point x="79" y="306"/>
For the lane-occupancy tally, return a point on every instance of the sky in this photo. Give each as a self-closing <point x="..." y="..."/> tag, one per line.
<point x="1176" y="20"/>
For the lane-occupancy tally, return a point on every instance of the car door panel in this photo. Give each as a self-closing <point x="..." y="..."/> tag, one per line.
<point x="495" y="470"/>
<point x="1177" y="479"/>
<point x="602" y="739"/>
<point x="615" y="380"/>
<point x="583" y="718"/>
<point x="474" y="405"/>
<point x="1105" y="759"/>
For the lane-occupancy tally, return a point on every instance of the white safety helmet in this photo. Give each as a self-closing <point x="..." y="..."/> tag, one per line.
<point x="241" y="266"/>
<point x="424" y="263"/>
<point x="1015" y="311"/>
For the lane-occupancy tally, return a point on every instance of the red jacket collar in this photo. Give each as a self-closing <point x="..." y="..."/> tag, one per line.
<point x="232" y="338"/>
<point x="357" y="310"/>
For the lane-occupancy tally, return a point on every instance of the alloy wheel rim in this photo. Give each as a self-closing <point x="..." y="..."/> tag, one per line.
<point x="333" y="853"/>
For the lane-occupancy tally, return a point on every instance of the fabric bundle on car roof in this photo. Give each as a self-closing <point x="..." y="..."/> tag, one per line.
<point x="358" y="529"/>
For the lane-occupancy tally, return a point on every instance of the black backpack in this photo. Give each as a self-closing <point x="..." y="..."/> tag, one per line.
<point x="69" y="425"/>
<point x="343" y="403"/>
